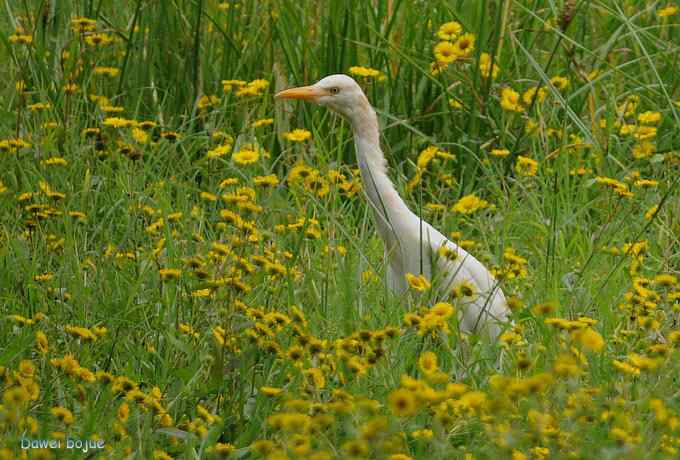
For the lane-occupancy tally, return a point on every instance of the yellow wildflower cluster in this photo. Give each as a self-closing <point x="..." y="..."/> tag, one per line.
<point x="470" y="204"/>
<point x="417" y="282"/>
<point x="510" y="100"/>
<point x="433" y="320"/>
<point x="487" y="68"/>
<point x="515" y="266"/>
<point x="425" y="158"/>
<point x="297" y="135"/>
<point x="319" y="184"/>
<point x="526" y="166"/>
<point x="367" y="73"/>
<point x="454" y="45"/>
<point x="619" y="188"/>
<point x="246" y="155"/>
<point x="86" y="334"/>
<point x="244" y="88"/>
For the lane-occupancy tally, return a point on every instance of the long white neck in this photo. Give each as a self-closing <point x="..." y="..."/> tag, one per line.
<point x="380" y="191"/>
<point x="389" y="209"/>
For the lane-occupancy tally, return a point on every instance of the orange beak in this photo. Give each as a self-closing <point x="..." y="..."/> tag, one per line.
<point x="306" y="93"/>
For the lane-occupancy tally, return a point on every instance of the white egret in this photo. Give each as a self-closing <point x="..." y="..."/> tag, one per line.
<point x="411" y="244"/>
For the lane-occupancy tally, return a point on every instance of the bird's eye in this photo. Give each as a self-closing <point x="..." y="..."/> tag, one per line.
<point x="334" y="91"/>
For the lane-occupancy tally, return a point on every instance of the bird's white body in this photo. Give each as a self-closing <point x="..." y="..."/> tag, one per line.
<point x="411" y="244"/>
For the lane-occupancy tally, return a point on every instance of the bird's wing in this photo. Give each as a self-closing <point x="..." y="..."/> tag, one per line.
<point x="484" y="309"/>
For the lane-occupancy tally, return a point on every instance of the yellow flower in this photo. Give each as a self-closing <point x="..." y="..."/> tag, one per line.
<point x="297" y="135"/>
<point x="266" y="181"/>
<point x="526" y="166"/>
<point x="253" y="88"/>
<point x="63" y="415"/>
<point x="666" y="280"/>
<point x="55" y="161"/>
<point x="419" y="282"/>
<point x="295" y="353"/>
<point x="674" y="337"/>
<point x="21" y="320"/>
<point x="82" y="24"/>
<point x="465" y="45"/>
<point x="545" y="308"/>
<point x="399" y="457"/>
<point x="455" y="104"/>
<point x="81" y="332"/>
<point x="642" y="362"/>
<point x="218" y="151"/>
<point x="98" y="39"/>
<point x="356" y="449"/>
<point x="510" y="100"/>
<point x="646" y="183"/>
<point x="402" y="403"/>
<point x="530" y="94"/>
<point x="643" y="150"/>
<point x="39" y="106"/>
<point x="422" y="434"/>
<point x="540" y="453"/>
<point x="106" y="71"/>
<point x="21" y="39"/>
<point x="246" y="156"/>
<point x="207" y="100"/>
<point x="485" y="68"/>
<point x="201" y="293"/>
<point x="161" y="455"/>
<point x="667" y="11"/>
<point x="299" y="173"/>
<point x="449" y="30"/>
<point x="41" y="342"/>
<point x="262" y="447"/>
<point x="500" y="153"/>
<point x="169" y="273"/>
<point x="117" y="122"/>
<point x="317" y="185"/>
<point x="464" y="289"/>
<point x="187" y="329"/>
<point x="649" y="118"/>
<point x="228" y="84"/>
<point x="448" y="252"/>
<point x="270" y="391"/>
<point x="428" y="362"/>
<point x="426" y="156"/>
<point x="315" y="377"/>
<point x="228" y="181"/>
<point x="626" y="368"/>
<point x="560" y="82"/>
<point x="445" y="53"/>
<point x="618" y="187"/>
<point x="590" y="339"/>
<point x="123" y="412"/>
<point x="221" y="450"/>
<point x="44" y="277"/>
<point x="365" y="72"/>
<point x="443" y="310"/>
<point x="645" y="132"/>
<point x="140" y="135"/>
<point x="629" y="105"/>
<point x="262" y="122"/>
<point x="469" y="204"/>
<point x="26" y="369"/>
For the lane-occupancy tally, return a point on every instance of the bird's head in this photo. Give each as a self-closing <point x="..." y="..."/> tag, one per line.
<point x="339" y="93"/>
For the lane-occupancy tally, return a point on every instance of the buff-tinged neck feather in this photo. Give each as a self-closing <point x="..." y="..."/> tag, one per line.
<point x="378" y="188"/>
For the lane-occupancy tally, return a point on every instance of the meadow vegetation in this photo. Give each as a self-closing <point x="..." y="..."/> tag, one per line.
<point x="189" y="269"/>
